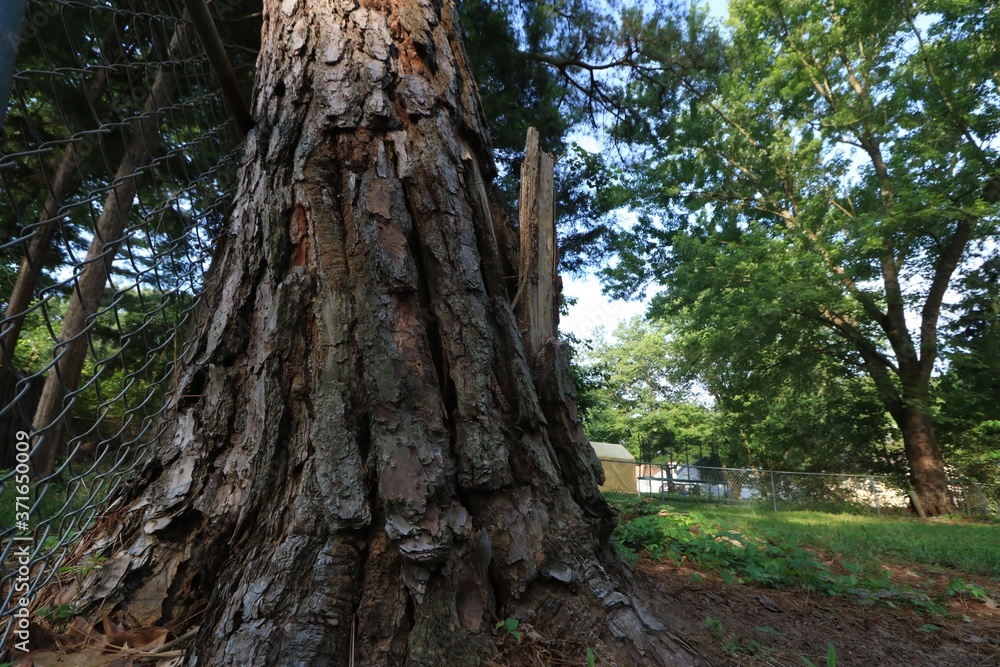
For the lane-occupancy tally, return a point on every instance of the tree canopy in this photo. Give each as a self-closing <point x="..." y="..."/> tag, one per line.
<point x="823" y="190"/>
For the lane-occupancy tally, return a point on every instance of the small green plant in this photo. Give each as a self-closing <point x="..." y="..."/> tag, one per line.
<point x="748" y="647"/>
<point x="738" y="645"/>
<point x="591" y="658"/>
<point x="831" y="657"/>
<point x="90" y="564"/>
<point x="510" y="626"/>
<point x="714" y="626"/>
<point x="63" y="611"/>
<point x="957" y="587"/>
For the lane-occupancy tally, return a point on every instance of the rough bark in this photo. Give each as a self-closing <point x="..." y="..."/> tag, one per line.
<point x="85" y="301"/>
<point x="910" y="409"/>
<point x="362" y="466"/>
<point x="927" y="472"/>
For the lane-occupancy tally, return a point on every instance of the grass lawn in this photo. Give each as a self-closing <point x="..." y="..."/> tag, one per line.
<point x="970" y="546"/>
<point x="865" y="543"/>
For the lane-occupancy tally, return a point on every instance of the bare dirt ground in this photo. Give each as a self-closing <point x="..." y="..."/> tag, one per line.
<point x="764" y="626"/>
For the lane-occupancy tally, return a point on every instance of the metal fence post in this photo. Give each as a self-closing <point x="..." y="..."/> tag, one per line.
<point x="965" y="494"/>
<point x="774" y="493"/>
<point x="878" y="509"/>
<point x="11" y="18"/>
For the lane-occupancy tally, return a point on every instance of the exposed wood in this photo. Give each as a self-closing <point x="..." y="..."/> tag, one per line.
<point x="918" y="507"/>
<point x="537" y="296"/>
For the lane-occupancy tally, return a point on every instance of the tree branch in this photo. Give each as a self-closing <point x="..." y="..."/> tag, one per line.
<point x="943" y="271"/>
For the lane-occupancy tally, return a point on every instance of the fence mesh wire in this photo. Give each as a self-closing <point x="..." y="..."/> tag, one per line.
<point x="781" y="490"/>
<point x="116" y="173"/>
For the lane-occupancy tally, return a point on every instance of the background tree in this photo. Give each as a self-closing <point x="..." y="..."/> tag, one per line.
<point x="718" y="396"/>
<point x="839" y="166"/>
<point x="362" y="463"/>
<point x="568" y="68"/>
<point x="966" y="409"/>
<point x="636" y="398"/>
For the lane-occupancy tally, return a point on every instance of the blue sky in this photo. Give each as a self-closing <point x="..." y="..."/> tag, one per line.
<point x="593" y="309"/>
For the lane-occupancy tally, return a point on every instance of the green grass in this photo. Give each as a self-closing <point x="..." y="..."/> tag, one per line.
<point x="971" y="547"/>
<point x="828" y="553"/>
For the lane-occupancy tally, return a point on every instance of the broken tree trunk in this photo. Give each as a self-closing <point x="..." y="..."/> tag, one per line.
<point x="360" y="468"/>
<point x="537" y="294"/>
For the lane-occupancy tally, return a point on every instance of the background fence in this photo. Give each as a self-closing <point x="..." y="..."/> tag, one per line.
<point x="780" y="490"/>
<point x="116" y="172"/>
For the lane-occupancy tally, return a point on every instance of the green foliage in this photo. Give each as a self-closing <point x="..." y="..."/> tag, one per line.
<point x="831" y="657"/>
<point x="635" y="397"/>
<point x="64" y="611"/>
<point x="739" y="646"/>
<point x="828" y="178"/>
<point x="967" y="411"/>
<point x="957" y="587"/>
<point x="510" y="627"/>
<point x="734" y="556"/>
<point x="517" y="91"/>
<point x="123" y="376"/>
<point x="768" y="550"/>
<point x="773" y="409"/>
<point x="532" y="62"/>
<point x="714" y="626"/>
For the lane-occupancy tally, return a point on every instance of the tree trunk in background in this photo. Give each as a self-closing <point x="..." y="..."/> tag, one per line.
<point x="908" y="405"/>
<point x="20" y="299"/>
<point x="60" y="186"/>
<point x="362" y="469"/>
<point x="927" y="473"/>
<point x="85" y="301"/>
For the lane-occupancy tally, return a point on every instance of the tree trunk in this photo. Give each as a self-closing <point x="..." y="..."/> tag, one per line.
<point x="910" y="409"/>
<point x="927" y="473"/>
<point x="361" y="468"/>
<point x="85" y="302"/>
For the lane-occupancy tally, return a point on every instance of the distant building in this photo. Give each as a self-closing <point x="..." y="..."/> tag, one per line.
<point x="680" y="479"/>
<point x="619" y="467"/>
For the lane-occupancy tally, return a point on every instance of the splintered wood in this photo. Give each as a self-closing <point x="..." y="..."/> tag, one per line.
<point x="537" y="307"/>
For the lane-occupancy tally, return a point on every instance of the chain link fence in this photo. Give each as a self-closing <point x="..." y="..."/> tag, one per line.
<point x="781" y="490"/>
<point x="117" y="160"/>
